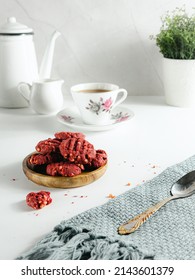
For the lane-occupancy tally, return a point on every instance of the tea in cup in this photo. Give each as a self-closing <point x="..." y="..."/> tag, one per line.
<point x="96" y="101"/>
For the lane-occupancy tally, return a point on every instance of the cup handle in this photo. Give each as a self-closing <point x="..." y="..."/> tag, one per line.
<point x="24" y="89"/>
<point x="122" y="98"/>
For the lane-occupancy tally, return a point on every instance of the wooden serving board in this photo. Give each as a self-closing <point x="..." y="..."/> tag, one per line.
<point x="83" y="179"/>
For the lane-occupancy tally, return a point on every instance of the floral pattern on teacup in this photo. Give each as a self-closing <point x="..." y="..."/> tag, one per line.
<point x="100" y="106"/>
<point x="66" y="118"/>
<point x="120" y="117"/>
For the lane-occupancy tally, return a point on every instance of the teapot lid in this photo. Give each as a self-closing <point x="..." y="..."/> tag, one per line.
<point x="12" y="27"/>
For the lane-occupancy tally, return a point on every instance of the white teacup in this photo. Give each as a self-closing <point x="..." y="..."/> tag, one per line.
<point x="96" y="101"/>
<point x="44" y="96"/>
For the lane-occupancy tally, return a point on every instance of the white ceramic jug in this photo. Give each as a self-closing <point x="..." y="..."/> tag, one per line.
<point x="44" y="96"/>
<point x="18" y="61"/>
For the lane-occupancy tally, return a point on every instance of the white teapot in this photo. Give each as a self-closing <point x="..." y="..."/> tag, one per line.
<point x="18" y="61"/>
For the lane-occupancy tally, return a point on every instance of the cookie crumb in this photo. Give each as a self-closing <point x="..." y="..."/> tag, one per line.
<point x="111" y="196"/>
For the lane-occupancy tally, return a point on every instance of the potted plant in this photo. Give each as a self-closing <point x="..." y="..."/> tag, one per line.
<point x="176" y="41"/>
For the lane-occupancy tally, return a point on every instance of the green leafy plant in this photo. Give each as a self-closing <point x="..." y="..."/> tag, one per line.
<point x="176" y="39"/>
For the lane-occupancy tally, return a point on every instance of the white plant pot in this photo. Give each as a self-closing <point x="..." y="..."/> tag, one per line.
<point x="179" y="82"/>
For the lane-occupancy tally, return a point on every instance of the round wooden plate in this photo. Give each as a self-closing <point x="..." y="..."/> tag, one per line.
<point x="83" y="179"/>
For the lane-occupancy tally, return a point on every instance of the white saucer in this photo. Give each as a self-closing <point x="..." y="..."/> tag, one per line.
<point x="70" y="116"/>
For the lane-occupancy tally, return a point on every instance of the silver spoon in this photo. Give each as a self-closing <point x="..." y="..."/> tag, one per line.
<point x="184" y="187"/>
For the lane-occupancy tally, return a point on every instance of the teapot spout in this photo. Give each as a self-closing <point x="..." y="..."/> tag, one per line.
<point x="46" y="64"/>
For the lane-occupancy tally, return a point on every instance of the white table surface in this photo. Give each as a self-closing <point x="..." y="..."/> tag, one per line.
<point x="157" y="137"/>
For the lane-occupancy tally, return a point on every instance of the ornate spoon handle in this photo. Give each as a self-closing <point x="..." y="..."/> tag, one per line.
<point x="133" y="224"/>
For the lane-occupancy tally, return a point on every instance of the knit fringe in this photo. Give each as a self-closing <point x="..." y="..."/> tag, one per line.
<point x="76" y="243"/>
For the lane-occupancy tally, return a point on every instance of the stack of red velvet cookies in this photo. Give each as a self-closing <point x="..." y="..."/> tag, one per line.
<point x="68" y="154"/>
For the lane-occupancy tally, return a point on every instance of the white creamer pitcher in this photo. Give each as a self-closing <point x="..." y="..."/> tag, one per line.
<point x="43" y="96"/>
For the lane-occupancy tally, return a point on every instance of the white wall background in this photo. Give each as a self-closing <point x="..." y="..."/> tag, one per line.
<point x="102" y="40"/>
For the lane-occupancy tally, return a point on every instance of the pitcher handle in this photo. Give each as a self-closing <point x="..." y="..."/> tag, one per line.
<point x="24" y="89"/>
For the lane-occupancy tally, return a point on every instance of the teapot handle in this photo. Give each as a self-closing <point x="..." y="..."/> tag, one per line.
<point x="24" y="89"/>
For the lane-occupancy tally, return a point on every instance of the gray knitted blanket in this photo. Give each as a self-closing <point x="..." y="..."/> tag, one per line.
<point x="168" y="234"/>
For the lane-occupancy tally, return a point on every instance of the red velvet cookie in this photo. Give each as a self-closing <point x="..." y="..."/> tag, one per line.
<point x="47" y="146"/>
<point x="100" y="159"/>
<point x="77" y="150"/>
<point x="63" y="169"/>
<point x="38" y="200"/>
<point x="64" y="135"/>
<point x="38" y="159"/>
